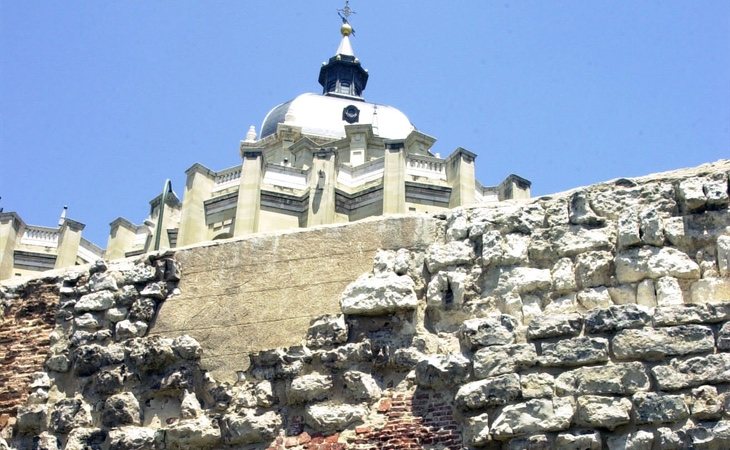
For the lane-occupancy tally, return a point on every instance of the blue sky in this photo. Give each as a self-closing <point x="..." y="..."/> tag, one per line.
<point x="101" y="101"/>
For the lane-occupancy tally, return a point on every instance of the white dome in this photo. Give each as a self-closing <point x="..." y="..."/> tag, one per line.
<point x="321" y="115"/>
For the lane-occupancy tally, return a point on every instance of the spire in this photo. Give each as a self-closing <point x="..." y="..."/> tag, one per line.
<point x="342" y="75"/>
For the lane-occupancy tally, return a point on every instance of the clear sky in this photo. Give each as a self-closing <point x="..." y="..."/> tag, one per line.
<point x="101" y="101"/>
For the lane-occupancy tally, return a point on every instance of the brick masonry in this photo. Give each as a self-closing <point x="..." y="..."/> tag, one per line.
<point x="25" y="326"/>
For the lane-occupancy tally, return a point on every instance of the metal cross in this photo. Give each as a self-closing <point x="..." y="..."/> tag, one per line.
<point x="346" y="11"/>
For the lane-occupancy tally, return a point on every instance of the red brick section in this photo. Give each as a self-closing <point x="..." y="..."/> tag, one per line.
<point x="24" y="344"/>
<point x="411" y="421"/>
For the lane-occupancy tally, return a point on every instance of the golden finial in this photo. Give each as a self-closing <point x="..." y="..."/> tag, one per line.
<point x="345" y="13"/>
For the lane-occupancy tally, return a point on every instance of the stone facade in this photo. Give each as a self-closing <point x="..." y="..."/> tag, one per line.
<point x="26" y="250"/>
<point x="598" y="318"/>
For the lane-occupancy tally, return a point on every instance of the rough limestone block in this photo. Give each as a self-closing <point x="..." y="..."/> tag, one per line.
<point x="710" y="435"/>
<point x="706" y="404"/>
<point x="593" y="268"/>
<point x="327" y="331"/>
<point x="592" y="298"/>
<point x="313" y="386"/>
<point x="250" y="428"/>
<point x="580" y="211"/>
<point x="696" y="371"/>
<point x="691" y="195"/>
<point x="573" y="240"/>
<point x="102" y="281"/>
<point x="83" y="438"/>
<point x="616" y="318"/>
<point x="637" y="440"/>
<point x="649" y="343"/>
<point x="668" y="292"/>
<point x="496" y="391"/>
<point x="623" y="294"/>
<point x="574" y="352"/>
<point x="616" y="379"/>
<point x="487" y="331"/>
<point x="476" y="430"/>
<point x="447" y="289"/>
<point x="579" y="440"/>
<point x="524" y="279"/>
<point x="537" y="385"/>
<point x="192" y="433"/>
<point x="565" y="304"/>
<point x="636" y="264"/>
<point x="378" y="295"/>
<point x="555" y="325"/>
<point x="654" y="408"/>
<point x="601" y="411"/>
<point x="121" y="409"/>
<point x="652" y="227"/>
<point x="534" y="416"/>
<point x="716" y="192"/>
<point x="515" y="248"/>
<point x="492" y="247"/>
<point x="723" y="337"/>
<point x="455" y="253"/>
<point x="438" y="371"/>
<point x="97" y="301"/>
<point x="646" y="294"/>
<point x="502" y="359"/>
<point x="628" y="229"/>
<point x="457" y="225"/>
<point x="360" y="386"/>
<point x="684" y="314"/>
<point x="534" y="442"/>
<point x="332" y="417"/>
<point x="132" y="437"/>
<point x="563" y="274"/>
<point x="710" y="290"/>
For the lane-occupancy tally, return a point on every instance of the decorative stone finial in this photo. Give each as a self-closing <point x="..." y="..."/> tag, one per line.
<point x="251" y="135"/>
<point x="62" y="219"/>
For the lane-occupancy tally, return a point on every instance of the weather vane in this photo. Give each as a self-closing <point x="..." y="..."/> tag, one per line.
<point x="345" y="12"/>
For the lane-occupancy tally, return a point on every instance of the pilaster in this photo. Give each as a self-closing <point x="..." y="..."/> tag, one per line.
<point x="248" y="205"/>
<point x="394" y="178"/>
<point x="322" y="181"/>
<point x="68" y="243"/>
<point x="198" y="188"/>
<point x="11" y="228"/>
<point x="121" y="238"/>
<point x="460" y="175"/>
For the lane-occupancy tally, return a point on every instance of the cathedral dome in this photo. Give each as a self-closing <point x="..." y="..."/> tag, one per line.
<point x="324" y="115"/>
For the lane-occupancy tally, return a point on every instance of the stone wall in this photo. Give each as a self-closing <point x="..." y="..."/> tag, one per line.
<point x="261" y="292"/>
<point x="27" y="317"/>
<point x="598" y="318"/>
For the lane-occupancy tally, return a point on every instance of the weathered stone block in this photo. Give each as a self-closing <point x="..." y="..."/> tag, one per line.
<point x="121" y="409"/>
<point x="537" y="385"/>
<point x="563" y="274"/>
<point x="617" y="379"/>
<point x="710" y="290"/>
<point x="533" y="416"/>
<point x="593" y="268"/>
<point x="650" y="407"/>
<point x="377" y="295"/>
<point x="579" y="440"/>
<point x="327" y="331"/>
<point x="654" y="343"/>
<point x="554" y="326"/>
<point x="494" y="391"/>
<point x="313" y="386"/>
<point x="484" y="332"/>
<point x="437" y="371"/>
<point x="135" y="438"/>
<point x="476" y="430"/>
<point x="637" y="440"/>
<point x="502" y="359"/>
<point x="524" y="279"/>
<point x="97" y="301"/>
<point x="455" y="253"/>
<point x="680" y="374"/>
<point x="574" y="352"/>
<point x="628" y="229"/>
<point x="332" y="417"/>
<point x="360" y="386"/>
<point x="706" y="404"/>
<point x="723" y="337"/>
<point x="723" y="255"/>
<point x="597" y="411"/>
<point x="573" y="240"/>
<point x="250" y="428"/>
<point x="615" y="318"/>
<point x="198" y="433"/>
<point x="668" y="292"/>
<point x="593" y="298"/>
<point x="652" y="227"/>
<point x="635" y="264"/>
